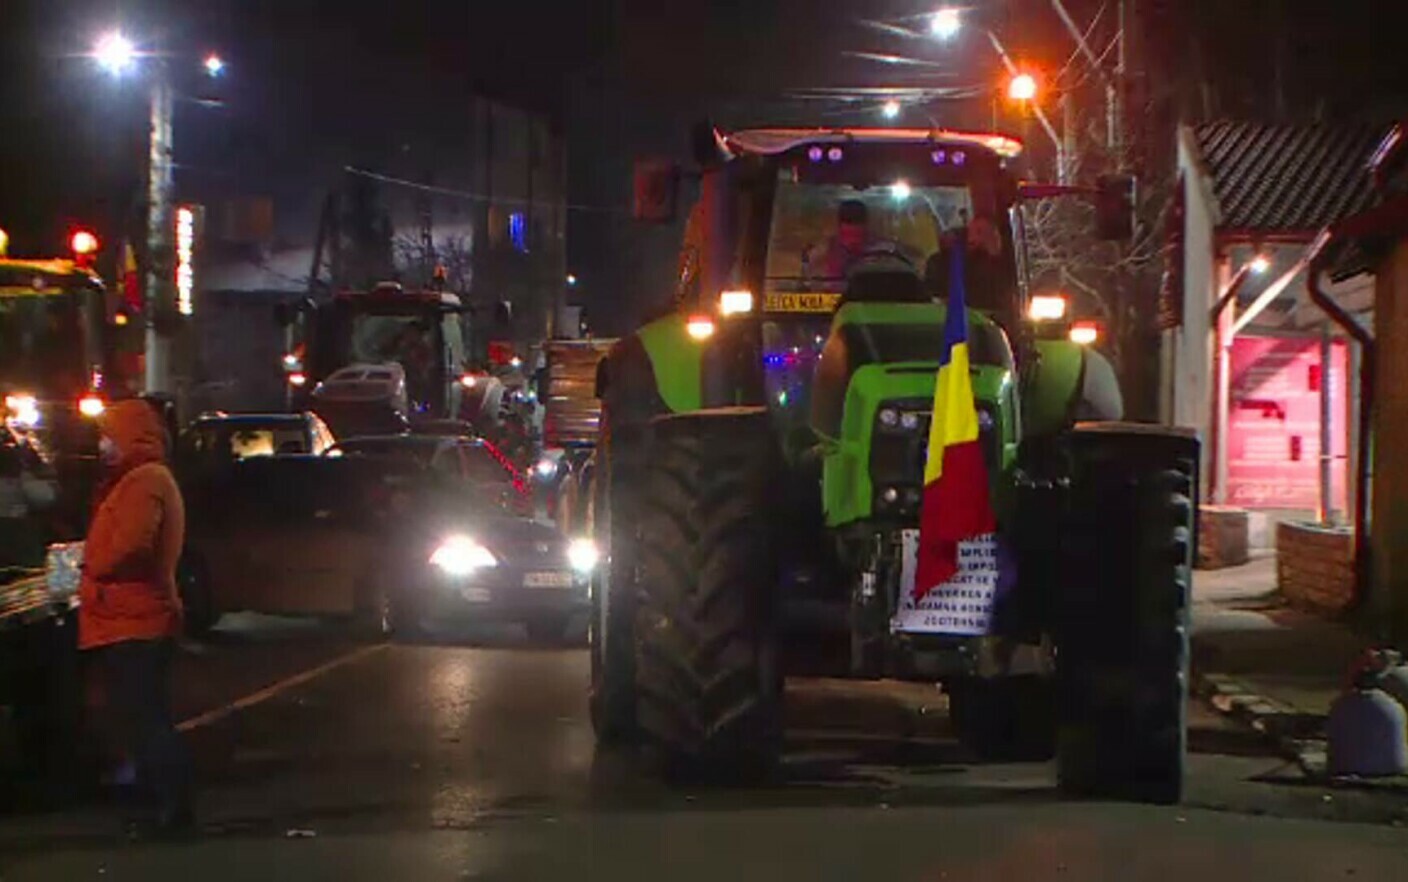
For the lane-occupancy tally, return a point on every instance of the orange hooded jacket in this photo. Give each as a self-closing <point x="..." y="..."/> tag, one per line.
<point x="128" y="590"/>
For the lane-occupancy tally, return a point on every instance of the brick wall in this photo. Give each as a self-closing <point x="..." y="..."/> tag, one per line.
<point x="1222" y="536"/>
<point x="1315" y="566"/>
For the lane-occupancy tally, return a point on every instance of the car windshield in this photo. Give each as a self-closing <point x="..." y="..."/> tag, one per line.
<point x="463" y="461"/>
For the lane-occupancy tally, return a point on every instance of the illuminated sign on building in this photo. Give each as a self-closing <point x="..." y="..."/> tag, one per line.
<point x="185" y="266"/>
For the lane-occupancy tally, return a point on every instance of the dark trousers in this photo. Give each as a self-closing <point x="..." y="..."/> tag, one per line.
<point x="136" y="677"/>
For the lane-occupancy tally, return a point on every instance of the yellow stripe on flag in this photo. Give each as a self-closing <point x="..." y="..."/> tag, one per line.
<point x="955" y="416"/>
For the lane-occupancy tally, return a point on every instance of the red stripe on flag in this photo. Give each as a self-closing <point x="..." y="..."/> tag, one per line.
<point x="956" y="506"/>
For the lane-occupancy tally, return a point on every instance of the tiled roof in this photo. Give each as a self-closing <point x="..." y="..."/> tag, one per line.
<point x="1287" y="179"/>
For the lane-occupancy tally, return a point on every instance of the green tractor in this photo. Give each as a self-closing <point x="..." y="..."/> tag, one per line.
<point x="760" y="470"/>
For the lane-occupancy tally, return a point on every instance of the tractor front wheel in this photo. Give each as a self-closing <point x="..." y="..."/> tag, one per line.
<point x="708" y="681"/>
<point x="1122" y="616"/>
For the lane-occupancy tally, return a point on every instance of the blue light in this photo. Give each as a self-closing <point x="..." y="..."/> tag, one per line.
<point x="518" y="231"/>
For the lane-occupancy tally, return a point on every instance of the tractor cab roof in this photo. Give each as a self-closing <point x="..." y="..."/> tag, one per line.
<point x="770" y="142"/>
<point x="40" y="278"/>
<point x="392" y="294"/>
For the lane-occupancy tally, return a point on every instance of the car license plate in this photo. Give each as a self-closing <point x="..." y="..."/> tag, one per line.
<point x="476" y="595"/>
<point x="551" y="579"/>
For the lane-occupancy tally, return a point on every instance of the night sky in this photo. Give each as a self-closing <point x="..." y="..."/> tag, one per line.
<point x="314" y="84"/>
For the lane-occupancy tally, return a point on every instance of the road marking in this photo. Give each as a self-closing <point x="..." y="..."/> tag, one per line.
<point x="268" y="692"/>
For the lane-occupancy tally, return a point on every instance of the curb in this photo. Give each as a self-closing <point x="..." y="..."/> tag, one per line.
<point x="1276" y="721"/>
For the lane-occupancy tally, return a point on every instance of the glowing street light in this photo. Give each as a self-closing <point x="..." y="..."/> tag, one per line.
<point x="890" y="109"/>
<point x="946" y="23"/>
<point x="1022" y="87"/>
<point x="115" y="53"/>
<point x="214" y="65"/>
<point x="571" y="278"/>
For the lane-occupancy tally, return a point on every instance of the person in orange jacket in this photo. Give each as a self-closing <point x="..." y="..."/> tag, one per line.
<point x="129" y="610"/>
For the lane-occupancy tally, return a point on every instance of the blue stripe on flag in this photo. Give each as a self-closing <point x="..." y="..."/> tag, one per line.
<point x="956" y="318"/>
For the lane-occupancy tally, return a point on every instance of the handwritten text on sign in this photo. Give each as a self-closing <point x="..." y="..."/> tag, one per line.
<point x="963" y="604"/>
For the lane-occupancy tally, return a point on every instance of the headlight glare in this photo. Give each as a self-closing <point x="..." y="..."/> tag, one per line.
<point x="582" y="554"/>
<point x="461" y="556"/>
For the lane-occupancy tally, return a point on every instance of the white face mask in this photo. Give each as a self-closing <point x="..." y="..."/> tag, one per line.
<point x="107" y="450"/>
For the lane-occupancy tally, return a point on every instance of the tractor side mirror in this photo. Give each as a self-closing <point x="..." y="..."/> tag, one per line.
<point x="1115" y="200"/>
<point x="655" y="189"/>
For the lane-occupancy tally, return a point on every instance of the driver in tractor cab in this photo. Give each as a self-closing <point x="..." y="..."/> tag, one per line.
<point x="411" y="348"/>
<point x="983" y="276"/>
<point x="851" y="240"/>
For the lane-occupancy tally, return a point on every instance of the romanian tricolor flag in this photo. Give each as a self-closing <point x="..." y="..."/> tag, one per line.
<point x="956" y="502"/>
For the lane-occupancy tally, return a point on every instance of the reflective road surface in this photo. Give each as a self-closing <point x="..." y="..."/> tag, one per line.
<point x="324" y="756"/>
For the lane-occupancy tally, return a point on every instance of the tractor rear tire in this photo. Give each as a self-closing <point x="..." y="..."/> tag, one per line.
<point x="708" y="681"/>
<point x="1123" y="614"/>
<point x="1004" y="719"/>
<point x="611" y="624"/>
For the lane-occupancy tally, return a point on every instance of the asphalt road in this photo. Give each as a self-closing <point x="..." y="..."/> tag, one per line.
<point x="324" y="756"/>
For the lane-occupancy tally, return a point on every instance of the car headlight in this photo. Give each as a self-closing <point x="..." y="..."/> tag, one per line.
<point x="461" y="556"/>
<point x="545" y="468"/>
<point x="582" y="554"/>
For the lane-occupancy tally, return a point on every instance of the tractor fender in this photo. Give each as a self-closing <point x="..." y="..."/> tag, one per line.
<point x="1068" y="382"/>
<point x="627" y="385"/>
<point x="672" y="359"/>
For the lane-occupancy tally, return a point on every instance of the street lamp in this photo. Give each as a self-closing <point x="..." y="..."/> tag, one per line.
<point x="115" y="53"/>
<point x="1022" y="87"/>
<point x="890" y="109"/>
<point x="214" y="65"/>
<point x="946" y="23"/>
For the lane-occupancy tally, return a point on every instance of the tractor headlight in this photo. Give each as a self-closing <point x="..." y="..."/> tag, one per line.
<point x="739" y="302"/>
<point x="582" y="554"/>
<point x="462" y="556"/>
<point x="23" y="410"/>
<point x="892" y="419"/>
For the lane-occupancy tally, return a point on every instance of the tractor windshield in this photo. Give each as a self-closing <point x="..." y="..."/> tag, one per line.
<point x="408" y="339"/>
<point x="821" y="230"/>
<point x="42" y="342"/>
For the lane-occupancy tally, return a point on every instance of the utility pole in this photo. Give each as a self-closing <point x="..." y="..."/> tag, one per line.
<point x="160" y="295"/>
<point x="1113" y="83"/>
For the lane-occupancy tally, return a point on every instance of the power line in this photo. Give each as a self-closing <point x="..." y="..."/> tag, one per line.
<point x="470" y="196"/>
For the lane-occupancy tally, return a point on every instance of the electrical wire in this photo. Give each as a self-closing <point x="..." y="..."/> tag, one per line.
<point x="470" y="196"/>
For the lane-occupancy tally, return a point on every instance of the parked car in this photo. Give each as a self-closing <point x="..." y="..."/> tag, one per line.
<point x="464" y="548"/>
<point x="225" y="437"/>
<point x="295" y="534"/>
<point x="401" y="533"/>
